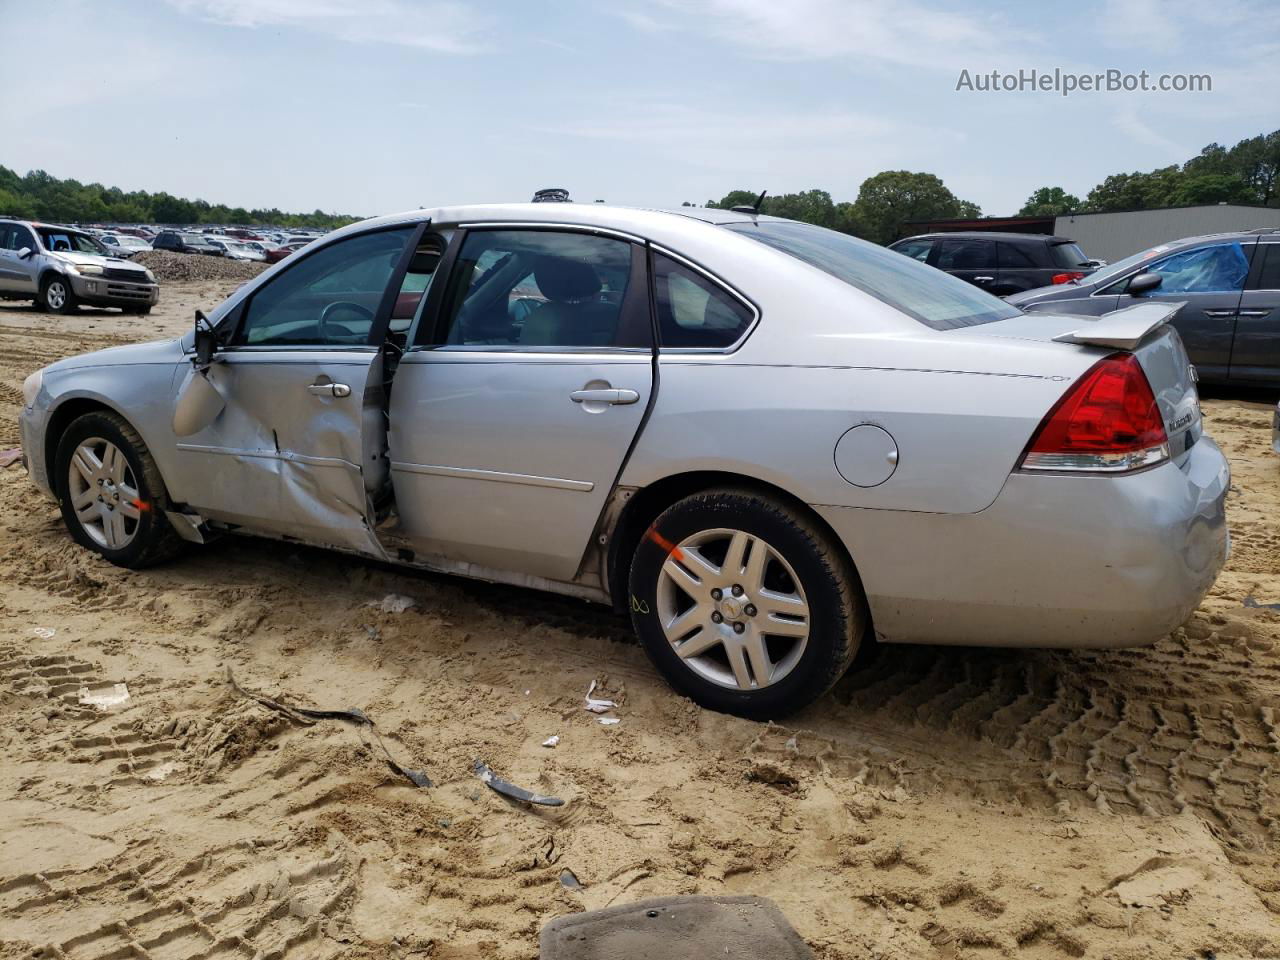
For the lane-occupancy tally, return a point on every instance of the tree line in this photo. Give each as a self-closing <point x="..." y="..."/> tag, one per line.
<point x="1248" y="172"/>
<point x="41" y="196"/>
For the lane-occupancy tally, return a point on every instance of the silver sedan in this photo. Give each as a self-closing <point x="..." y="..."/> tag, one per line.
<point x="766" y="441"/>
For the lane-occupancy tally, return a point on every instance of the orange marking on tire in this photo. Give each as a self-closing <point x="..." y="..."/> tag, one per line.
<point x="665" y="544"/>
<point x="142" y="505"/>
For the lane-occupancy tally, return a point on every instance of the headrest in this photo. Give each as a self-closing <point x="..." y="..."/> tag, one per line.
<point x="566" y="280"/>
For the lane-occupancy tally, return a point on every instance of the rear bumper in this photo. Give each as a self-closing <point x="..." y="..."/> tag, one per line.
<point x="100" y="292"/>
<point x="1055" y="561"/>
<point x="31" y="430"/>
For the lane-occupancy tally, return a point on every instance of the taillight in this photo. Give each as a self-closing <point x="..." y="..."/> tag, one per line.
<point x="1067" y="277"/>
<point x="1108" y="421"/>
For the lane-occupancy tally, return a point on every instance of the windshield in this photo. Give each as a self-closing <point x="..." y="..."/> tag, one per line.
<point x="926" y="294"/>
<point x="68" y="241"/>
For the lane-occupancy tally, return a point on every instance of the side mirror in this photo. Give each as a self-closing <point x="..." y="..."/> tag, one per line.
<point x="25" y="253"/>
<point x="206" y="341"/>
<point x="1144" y="283"/>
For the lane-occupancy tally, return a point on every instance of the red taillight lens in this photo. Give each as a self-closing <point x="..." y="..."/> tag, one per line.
<point x="1066" y="277"/>
<point x="1107" y="421"/>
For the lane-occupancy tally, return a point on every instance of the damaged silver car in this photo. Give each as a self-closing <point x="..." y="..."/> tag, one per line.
<point x="762" y="439"/>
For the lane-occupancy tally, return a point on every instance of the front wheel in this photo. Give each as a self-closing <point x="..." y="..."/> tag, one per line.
<point x="111" y="492"/>
<point x="744" y="605"/>
<point x="56" y="295"/>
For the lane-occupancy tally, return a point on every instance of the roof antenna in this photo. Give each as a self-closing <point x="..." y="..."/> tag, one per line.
<point x="753" y="209"/>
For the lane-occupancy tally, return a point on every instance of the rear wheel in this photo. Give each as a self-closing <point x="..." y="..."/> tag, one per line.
<point x="111" y="492"/>
<point x="744" y="605"/>
<point x="56" y="294"/>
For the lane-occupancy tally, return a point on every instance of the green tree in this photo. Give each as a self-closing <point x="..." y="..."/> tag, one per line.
<point x="1049" y="202"/>
<point x="1212" y="188"/>
<point x="890" y="199"/>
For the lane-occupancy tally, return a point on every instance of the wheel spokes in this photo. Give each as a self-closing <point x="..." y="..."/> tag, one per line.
<point x="758" y="654"/>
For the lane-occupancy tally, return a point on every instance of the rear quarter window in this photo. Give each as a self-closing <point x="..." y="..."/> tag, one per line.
<point x="927" y="295"/>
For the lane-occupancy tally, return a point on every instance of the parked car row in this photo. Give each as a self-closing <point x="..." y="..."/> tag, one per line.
<point x="237" y="243"/>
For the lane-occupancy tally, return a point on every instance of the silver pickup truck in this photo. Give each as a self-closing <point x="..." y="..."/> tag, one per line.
<point x="61" y="268"/>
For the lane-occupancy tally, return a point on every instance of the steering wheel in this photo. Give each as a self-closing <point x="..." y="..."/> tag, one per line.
<point x="323" y="324"/>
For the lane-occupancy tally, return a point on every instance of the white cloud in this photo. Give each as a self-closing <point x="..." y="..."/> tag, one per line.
<point x="443" y="27"/>
<point x="902" y="32"/>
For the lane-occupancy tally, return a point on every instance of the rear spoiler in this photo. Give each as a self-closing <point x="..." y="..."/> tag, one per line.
<point x="1123" y="329"/>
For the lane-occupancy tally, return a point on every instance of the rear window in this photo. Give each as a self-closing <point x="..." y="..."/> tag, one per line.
<point x="1068" y="255"/>
<point x="927" y="295"/>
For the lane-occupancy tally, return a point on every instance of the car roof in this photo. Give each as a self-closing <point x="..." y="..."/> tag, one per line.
<point x="987" y="235"/>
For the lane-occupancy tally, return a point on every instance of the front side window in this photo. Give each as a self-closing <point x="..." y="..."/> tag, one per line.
<point x="932" y="297"/>
<point x="915" y="249"/>
<point x="693" y="312"/>
<point x="329" y="298"/>
<point x="1218" y="269"/>
<point x="543" y="289"/>
<point x="967" y="255"/>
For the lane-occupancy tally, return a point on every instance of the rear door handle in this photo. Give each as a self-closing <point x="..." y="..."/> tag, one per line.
<point x="605" y="395"/>
<point x="983" y="279"/>
<point x="329" y="390"/>
<point x="1254" y="312"/>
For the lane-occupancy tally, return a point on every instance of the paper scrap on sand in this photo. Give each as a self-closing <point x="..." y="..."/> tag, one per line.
<point x="597" y="706"/>
<point x="113" y="697"/>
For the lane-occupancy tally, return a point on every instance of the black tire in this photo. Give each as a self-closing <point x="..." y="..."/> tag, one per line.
<point x="140" y="311"/>
<point x="153" y="539"/>
<point x="64" y="298"/>
<point x="837" y="608"/>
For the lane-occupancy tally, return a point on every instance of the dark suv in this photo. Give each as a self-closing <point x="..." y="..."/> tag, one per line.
<point x="176" y="242"/>
<point x="1000" y="263"/>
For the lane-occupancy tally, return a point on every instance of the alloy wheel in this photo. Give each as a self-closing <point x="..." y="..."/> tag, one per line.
<point x="733" y="609"/>
<point x="56" y="295"/>
<point x="104" y="493"/>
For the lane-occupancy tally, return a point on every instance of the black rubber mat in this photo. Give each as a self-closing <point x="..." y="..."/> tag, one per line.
<point x="676" y="928"/>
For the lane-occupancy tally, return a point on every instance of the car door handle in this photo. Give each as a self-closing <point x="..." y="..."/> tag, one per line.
<point x="1254" y="312"/>
<point x="1220" y="313"/>
<point x="328" y="390"/>
<point x="605" y="395"/>
<point x="983" y="279"/>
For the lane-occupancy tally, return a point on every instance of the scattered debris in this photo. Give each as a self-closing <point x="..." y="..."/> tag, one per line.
<point x="570" y="879"/>
<point x="1249" y="601"/>
<point x="44" y="633"/>
<point x="9" y="457"/>
<point x="597" y="706"/>
<point x="677" y="928"/>
<point x="552" y="742"/>
<point x="104" y="699"/>
<point x="610" y="721"/>
<point x="508" y="789"/>
<point x="394" y="603"/>
<point x="306" y="717"/>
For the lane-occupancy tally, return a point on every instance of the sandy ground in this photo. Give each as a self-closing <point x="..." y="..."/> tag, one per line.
<point x="941" y="803"/>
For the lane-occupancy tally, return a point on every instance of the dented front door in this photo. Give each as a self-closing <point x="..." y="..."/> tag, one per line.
<point x="297" y="448"/>
<point x="287" y="453"/>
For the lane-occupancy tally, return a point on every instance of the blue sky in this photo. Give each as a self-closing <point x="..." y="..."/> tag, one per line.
<point x="380" y="105"/>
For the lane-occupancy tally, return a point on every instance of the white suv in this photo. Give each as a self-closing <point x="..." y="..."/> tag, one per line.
<point x="61" y="268"/>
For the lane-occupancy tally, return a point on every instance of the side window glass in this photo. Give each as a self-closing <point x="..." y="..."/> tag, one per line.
<point x="416" y="282"/>
<point x="967" y="255"/>
<point x="8" y="237"/>
<point x="693" y="311"/>
<point x="540" y="288"/>
<point x="1217" y="269"/>
<point x="328" y="298"/>
<point x="1269" y="275"/>
<point x="915" y="249"/>
<point x="1012" y="256"/>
